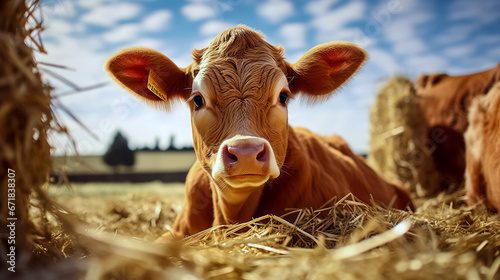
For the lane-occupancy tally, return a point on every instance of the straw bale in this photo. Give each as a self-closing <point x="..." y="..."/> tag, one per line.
<point x="43" y="230"/>
<point x="398" y="148"/>
<point x="25" y="119"/>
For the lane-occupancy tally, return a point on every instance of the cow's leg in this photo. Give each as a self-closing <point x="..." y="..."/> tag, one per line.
<point x="197" y="212"/>
<point x="474" y="182"/>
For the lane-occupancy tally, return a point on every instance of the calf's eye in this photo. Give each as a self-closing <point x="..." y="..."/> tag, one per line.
<point x="283" y="98"/>
<point x="198" y="101"/>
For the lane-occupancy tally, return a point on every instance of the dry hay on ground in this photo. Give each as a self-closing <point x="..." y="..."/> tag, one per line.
<point x="398" y="147"/>
<point x="143" y="210"/>
<point x="443" y="239"/>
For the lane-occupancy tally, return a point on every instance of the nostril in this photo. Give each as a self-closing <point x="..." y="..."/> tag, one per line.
<point x="233" y="157"/>
<point x="230" y="155"/>
<point x="262" y="155"/>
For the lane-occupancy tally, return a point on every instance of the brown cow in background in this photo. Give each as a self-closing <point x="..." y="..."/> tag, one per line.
<point x="250" y="162"/>
<point x="483" y="150"/>
<point x="445" y="102"/>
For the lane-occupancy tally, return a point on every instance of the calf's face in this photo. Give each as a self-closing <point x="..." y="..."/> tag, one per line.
<point x="239" y="119"/>
<point x="237" y="89"/>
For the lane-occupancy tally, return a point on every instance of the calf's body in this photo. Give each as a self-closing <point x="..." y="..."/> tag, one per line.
<point x="445" y="102"/>
<point x="483" y="150"/>
<point x="250" y="162"/>
<point x="316" y="169"/>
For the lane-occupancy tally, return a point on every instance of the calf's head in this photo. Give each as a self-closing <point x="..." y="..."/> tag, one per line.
<point x="237" y="89"/>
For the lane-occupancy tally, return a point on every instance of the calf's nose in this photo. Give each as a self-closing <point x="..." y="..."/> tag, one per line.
<point x="245" y="161"/>
<point x="245" y="154"/>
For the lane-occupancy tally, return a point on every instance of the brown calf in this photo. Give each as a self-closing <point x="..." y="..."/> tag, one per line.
<point x="483" y="150"/>
<point x="445" y="103"/>
<point x="250" y="162"/>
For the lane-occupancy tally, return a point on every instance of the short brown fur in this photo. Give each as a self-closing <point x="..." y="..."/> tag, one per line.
<point x="445" y="102"/>
<point x="483" y="150"/>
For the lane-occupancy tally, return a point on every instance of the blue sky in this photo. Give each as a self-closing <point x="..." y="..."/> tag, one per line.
<point x="407" y="37"/>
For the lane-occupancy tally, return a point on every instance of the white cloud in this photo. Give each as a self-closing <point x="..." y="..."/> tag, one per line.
<point x="471" y="64"/>
<point x="410" y="46"/>
<point x="109" y="15"/>
<point x="427" y="63"/>
<point x="148" y="42"/>
<point x="337" y="116"/>
<point x="361" y="89"/>
<point x="294" y="35"/>
<point x="338" y="18"/>
<point x="201" y="1"/>
<point x="88" y="4"/>
<point x="456" y="33"/>
<point x="319" y="7"/>
<point x="63" y="9"/>
<point x="361" y="38"/>
<point x="275" y="11"/>
<point x="157" y="21"/>
<point x="128" y="32"/>
<point x="460" y="50"/>
<point x="182" y="61"/>
<point x="483" y="11"/>
<point x="202" y="43"/>
<point x="57" y="27"/>
<point x="494" y="53"/>
<point x="383" y="60"/>
<point x="79" y="54"/>
<point x="214" y="27"/>
<point x="59" y="20"/>
<point x="198" y="11"/>
<point x="353" y="35"/>
<point x="403" y="30"/>
<point x="404" y="27"/>
<point x="293" y="57"/>
<point x="487" y="39"/>
<point x="122" y="33"/>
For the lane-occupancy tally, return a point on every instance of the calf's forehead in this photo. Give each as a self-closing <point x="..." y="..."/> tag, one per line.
<point x="240" y="78"/>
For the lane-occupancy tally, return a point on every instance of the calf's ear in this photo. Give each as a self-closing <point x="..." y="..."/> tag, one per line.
<point x="150" y="76"/>
<point x="325" y="68"/>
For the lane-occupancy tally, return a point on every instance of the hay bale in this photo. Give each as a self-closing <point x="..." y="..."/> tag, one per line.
<point x="25" y="119"/>
<point x="398" y="149"/>
<point x="41" y="230"/>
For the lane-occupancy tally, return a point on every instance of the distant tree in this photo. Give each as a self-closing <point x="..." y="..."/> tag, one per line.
<point x="171" y="146"/>
<point x="157" y="145"/>
<point x="119" y="153"/>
